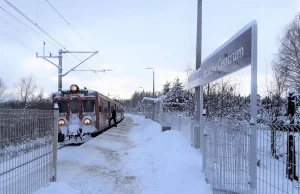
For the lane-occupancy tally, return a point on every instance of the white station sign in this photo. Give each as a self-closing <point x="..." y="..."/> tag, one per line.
<point x="232" y="56"/>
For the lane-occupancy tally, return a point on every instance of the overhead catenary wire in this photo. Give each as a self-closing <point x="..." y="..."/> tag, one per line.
<point x="32" y="22"/>
<point x="17" y="19"/>
<point x="18" y="30"/>
<point x="69" y="25"/>
<point x="40" y="28"/>
<point x="17" y="41"/>
<point x="21" y="32"/>
<point x="37" y="11"/>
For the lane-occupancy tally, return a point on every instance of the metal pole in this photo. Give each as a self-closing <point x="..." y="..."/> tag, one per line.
<point x="60" y="70"/>
<point x="55" y="140"/>
<point x="253" y="140"/>
<point x="153" y="84"/>
<point x="198" y="89"/>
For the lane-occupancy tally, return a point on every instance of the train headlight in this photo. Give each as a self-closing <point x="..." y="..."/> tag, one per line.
<point x="74" y="88"/>
<point x="61" y="122"/>
<point x="87" y="121"/>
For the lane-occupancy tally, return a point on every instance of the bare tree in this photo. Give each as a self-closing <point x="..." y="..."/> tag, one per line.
<point x="286" y="66"/>
<point x="2" y="89"/>
<point x="26" y="89"/>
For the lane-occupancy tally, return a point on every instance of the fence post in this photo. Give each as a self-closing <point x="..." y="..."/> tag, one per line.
<point x="252" y="156"/>
<point x="179" y="118"/>
<point x="203" y="147"/>
<point x="192" y="133"/>
<point x="202" y="126"/>
<point x="55" y="139"/>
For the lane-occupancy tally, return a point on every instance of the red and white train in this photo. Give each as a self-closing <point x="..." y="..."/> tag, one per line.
<point x="84" y="113"/>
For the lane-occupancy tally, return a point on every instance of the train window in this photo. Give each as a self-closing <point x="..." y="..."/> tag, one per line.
<point x="74" y="106"/>
<point x="88" y="105"/>
<point x="63" y="106"/>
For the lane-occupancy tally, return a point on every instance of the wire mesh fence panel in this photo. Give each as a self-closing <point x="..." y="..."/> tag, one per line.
<point x="26" y="155"/>
<point x="134" y="111"/>
<point x="278" y="156"/>
<point x="227" y="147"/>
<point x="179" y="123"/>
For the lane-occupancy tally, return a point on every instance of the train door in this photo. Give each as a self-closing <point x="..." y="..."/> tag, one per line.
<point x="109" y="110"/>
<point x="117" y="111"/>
<point x="100" y="108"/>
<point x="75" y="111"/>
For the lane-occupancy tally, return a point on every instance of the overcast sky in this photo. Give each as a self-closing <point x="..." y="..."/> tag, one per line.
<point x="131" y="35"/>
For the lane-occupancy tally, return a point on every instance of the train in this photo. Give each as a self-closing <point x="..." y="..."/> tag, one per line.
<point x="84" y="114"/>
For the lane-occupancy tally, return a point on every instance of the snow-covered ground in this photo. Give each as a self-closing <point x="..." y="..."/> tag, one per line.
<point x="135" y="157"/>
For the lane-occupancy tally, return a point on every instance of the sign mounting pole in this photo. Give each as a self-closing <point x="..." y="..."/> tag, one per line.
<point x="199" y="89"/>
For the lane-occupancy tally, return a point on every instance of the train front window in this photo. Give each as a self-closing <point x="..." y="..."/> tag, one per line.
<point x="74" y="106"/>
<point x="88" y="105"/>
<point x="63" y="106"/>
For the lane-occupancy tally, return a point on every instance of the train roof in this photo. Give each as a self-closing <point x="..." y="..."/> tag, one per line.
<point x="74" y="89"/>
<point x="84" y="92"/>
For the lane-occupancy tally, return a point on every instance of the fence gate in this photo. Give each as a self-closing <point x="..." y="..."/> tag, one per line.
<point x="27" y="157"/>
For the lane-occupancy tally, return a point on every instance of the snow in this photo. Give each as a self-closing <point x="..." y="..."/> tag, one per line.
<point x="292" y="91"/>
<point x="165" y="161"/>
<point x="135" y="157"/>
<point x="57" y="188"/>
<point x="73" y="129"/>
<point x="154" y="100"/>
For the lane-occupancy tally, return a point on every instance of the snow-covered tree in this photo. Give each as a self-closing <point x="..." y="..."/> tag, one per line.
<point x="221" y="99"/>
<point x="189" y="105"/>
<point x="166" y="88"/>
<point x="174" y="99"/>
<point x="2" y="89"/>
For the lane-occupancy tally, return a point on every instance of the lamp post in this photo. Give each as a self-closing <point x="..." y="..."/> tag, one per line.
<point x="153" y="80"/>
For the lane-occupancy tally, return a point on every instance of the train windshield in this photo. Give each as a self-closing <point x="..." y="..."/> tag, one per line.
<point x="88" y="105"/>
<point x="74" y="106"/>
<point x="63" y="106"/>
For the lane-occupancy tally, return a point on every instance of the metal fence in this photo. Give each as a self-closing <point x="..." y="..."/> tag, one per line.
<point x="227" y="157"/>
<point x="179" y="123"/>
<point x="152" y="108"/>
<point x="28" y="141"/>
<point x="278" y="155"/>
<point x="226" y="150"/>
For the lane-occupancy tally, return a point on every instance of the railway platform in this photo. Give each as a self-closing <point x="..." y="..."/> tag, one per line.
<point x="135" y="157"/>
